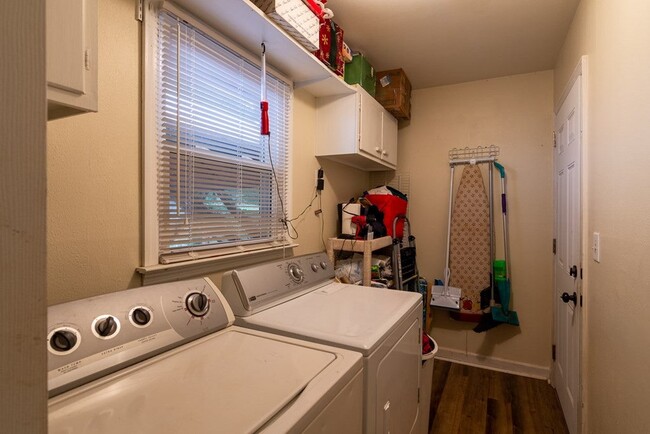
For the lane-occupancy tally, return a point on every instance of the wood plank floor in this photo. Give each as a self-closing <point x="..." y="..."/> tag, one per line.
<point x="468" y="400"/>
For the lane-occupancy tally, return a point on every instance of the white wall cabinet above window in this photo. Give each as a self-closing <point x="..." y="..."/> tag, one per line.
<point x="71" y="42"/>
<point x="357" y="131"/>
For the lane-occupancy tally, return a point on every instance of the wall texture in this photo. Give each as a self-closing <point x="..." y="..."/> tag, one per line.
<point x="94" y="175"/>
<point x="614" y="35"/>
<point x="93" y="169"/>
<point x="516" y="114"/>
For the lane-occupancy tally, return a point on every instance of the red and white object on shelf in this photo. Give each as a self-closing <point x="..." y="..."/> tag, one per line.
<point x="296" y="18"/>
<point x="319" y="9"/>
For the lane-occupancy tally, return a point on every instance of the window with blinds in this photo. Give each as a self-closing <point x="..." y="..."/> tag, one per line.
<point x="221" y="185"/>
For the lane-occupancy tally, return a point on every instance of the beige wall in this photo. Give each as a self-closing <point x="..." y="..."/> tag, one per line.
<point x="516" y="114"/>
<point x="94" y="175"/>
<point x="615" y="36"/>
<point x="93" y="168"/>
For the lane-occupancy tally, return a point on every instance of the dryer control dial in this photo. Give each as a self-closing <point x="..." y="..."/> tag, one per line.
<point x="63" y="340"/>
<point x="295" y="272"/>
<point x="197" y="303"/>
<point x="140" y="316"/>
<point x="106" y="326"/>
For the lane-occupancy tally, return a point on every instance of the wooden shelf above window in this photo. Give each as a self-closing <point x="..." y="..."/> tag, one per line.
<point x="246" y="25"/>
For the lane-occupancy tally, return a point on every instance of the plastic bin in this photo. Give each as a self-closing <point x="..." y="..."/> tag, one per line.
<point x="426" y="380"/>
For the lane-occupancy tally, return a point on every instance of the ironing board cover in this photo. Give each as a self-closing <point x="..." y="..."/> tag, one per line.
<point x="469" y="250"/>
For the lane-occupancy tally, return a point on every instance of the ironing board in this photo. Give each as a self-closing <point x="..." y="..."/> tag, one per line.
<point x="469" y="249"/>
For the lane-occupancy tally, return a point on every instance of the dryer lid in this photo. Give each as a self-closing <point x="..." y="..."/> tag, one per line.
<point x="348" y="316"/>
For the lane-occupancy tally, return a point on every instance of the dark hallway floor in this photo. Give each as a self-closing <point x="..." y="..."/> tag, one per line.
<point x="471" y="400"/>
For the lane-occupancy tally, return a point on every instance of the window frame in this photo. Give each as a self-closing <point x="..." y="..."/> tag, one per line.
<point x="151" y="253"/>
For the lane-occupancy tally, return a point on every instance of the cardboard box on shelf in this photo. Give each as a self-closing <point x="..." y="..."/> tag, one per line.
<point x="295" y="18"/>
<point x="394" y="92"/>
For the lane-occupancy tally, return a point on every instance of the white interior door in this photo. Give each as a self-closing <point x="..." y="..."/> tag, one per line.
<point x="568" y="268"/>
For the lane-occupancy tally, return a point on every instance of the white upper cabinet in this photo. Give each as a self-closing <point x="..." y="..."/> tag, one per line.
<point x="71" y="43"/>
<point x="357" y="131"/>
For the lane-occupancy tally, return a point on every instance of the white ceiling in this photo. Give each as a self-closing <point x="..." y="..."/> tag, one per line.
<point x="440" y="42"/>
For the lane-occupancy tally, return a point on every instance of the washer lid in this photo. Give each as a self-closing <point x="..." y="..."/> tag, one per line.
<point x="348" y="316"/>
<point x="233" y="381"/>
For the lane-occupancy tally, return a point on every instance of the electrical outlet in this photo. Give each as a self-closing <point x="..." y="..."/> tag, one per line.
<point x="595" y="246"/>
<point x="320" y="182"/>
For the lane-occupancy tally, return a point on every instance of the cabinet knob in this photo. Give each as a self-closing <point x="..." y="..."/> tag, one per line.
<point x="384" y="153"/>
<point x="378" y="150"/>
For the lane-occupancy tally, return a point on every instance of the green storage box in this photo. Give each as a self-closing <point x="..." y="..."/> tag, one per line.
<point x="359" y="71"/>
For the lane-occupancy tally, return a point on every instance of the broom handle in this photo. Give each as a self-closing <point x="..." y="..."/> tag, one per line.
<point x="451" y="203"/>
<point x="491" y="206"/>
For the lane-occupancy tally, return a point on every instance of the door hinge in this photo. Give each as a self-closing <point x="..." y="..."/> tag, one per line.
<point x="139" y="10"/>
<point x="554" y="140"/>
<point x="554" y="245"/>
<point x="553" y="352"/>
<point x="86" y="60"/>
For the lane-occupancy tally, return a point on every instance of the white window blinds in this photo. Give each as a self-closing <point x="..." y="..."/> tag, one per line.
<point x="217" y="190"/>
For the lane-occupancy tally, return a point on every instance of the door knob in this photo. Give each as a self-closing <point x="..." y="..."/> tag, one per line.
<point x="567" y="298"/>
<point x="573" y="272"/>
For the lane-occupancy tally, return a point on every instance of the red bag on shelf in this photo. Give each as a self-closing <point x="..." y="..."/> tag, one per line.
<point x="391" y="206"/>
<point x="331" y="46"/>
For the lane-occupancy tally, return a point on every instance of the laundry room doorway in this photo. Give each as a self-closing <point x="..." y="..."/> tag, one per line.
<point x="567" y="246"/>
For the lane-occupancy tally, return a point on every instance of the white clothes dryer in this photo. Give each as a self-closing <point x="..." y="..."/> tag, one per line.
<point x="298" y="297"/>
<point x="167" y="359"/>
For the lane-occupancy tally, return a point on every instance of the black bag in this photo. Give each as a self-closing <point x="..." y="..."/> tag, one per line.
<point x="375" y="219"/>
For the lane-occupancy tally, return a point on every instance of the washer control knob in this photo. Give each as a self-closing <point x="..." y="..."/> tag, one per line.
<point x="323" y="265"/>
<point x="314" y="268"/>
<point x="141" y="316"/>
<point x="63" y="340"/>
<point x="295" y="273"/>
<point x="106" y="326"/>
<point x="197" y="303"/>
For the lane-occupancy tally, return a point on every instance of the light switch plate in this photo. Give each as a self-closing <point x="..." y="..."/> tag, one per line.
<point x="595" y="246"/>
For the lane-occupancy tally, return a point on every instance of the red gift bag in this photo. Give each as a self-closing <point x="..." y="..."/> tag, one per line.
<point x="331" y="46"/>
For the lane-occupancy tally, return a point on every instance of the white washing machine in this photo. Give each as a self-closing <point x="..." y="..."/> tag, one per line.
<point x="298" y="297"/>
<point x="167" y="359"/>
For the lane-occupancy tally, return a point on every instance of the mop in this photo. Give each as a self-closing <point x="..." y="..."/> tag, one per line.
<point x="447" y="297"/>
<point x="502" y="313"/>
<point x="497" y="315"/>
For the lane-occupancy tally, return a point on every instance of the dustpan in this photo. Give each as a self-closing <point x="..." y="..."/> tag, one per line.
<point x="446" y="297"/>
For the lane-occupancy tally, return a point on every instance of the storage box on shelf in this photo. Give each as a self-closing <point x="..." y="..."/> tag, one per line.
<point x="360" y="71"/>
<point x="394" y="92"/>
<point x="295" y="18"/>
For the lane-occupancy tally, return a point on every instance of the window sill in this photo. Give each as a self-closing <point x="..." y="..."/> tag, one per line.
<point x="160" y="273"/>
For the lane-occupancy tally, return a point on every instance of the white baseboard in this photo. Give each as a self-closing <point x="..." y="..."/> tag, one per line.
<point x="494" y="363"/>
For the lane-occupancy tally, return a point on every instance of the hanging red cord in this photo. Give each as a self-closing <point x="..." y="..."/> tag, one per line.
<point x="264" y="104"/>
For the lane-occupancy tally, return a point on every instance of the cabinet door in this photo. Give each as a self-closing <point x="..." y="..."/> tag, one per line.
<point x="71" y="42"/>
<point x="389" y="138"/>
<point x="371" y="125"/>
